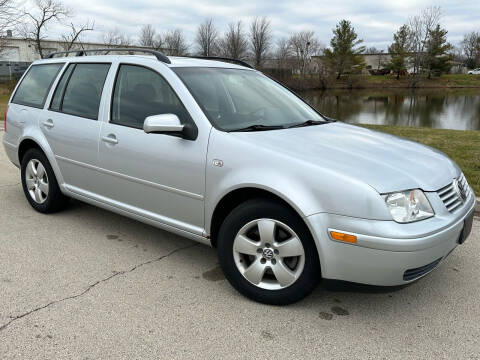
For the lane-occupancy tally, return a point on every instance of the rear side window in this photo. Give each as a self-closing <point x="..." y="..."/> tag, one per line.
<point x="80" y="90"/>
<point x="36" y="84"/>
<point x="140" y="92"/>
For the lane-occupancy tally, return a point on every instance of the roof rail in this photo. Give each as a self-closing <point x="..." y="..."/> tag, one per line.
<point x="234" y="61"/>
<point x="83" y="52"/>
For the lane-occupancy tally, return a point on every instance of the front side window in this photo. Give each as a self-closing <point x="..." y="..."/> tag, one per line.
<point x="83" y="91"/>
<point x="234" y="99"/>
<point x="140" y="92"/>
<point x="36" y="84"/>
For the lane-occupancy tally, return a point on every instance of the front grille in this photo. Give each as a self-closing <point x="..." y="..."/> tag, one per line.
<point x="450" y="196"/>
<point x="412" y="274"/>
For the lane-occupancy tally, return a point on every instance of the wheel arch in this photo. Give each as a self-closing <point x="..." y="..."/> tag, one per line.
<point x="25" y="145"/>
<point x="239" y="195"/>
<point x="28" y="143"/>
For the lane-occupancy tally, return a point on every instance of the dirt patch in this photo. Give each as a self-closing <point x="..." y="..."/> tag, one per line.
<point x="325" y="315"/>
<point x="339" y="311"/>
<point x="267" y="335"/>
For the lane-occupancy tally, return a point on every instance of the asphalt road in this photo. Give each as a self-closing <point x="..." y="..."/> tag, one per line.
<point x="89" y="284"/>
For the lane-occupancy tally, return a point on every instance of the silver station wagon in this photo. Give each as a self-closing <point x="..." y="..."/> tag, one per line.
<point x="217" y="152"/>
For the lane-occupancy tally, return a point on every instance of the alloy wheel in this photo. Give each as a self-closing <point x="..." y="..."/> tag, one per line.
<point x="36" y="180"/>
<point x="269" y="254"/>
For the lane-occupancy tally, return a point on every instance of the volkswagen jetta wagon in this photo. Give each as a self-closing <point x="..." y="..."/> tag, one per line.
<point x="218" y="152"/>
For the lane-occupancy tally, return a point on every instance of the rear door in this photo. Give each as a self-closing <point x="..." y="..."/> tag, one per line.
<point x="161" y="177"/>
<point x="71" y="124"/>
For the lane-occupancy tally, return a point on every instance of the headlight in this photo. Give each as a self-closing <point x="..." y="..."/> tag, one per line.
<point x="409" y="206"/>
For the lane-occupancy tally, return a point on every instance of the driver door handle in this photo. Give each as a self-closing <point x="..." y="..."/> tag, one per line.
<point x="110" y="138"/>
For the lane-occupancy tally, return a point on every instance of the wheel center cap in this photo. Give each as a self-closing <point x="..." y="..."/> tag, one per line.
<point x="267" y="253"/>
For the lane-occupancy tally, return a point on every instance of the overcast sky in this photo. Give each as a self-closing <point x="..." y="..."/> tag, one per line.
<point x="375" y="21"/>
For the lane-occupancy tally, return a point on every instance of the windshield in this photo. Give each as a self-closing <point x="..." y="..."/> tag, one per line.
<point x="235" y="99"/>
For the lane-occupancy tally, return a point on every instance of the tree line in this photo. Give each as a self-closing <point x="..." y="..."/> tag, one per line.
<point x="419" y="46"/>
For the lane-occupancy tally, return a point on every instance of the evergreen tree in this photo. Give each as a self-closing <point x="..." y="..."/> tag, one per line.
<point x="345" y="53"/>
<point x="437" y="58"/>
<point x="399" y="50"/>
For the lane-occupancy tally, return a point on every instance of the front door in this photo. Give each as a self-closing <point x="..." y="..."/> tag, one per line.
<point x="159" y="176"/>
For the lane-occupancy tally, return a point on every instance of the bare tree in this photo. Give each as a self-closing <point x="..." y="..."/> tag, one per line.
<point x="148" y="36"/>
<point x="9" y="17"/>
<point x="158" y="42"/>
<point x="175" y="43"/>
<point x="39" y="17"/>
<point x="260" y="39"/>
<point x="74" y="36"/>
<point x="207" y="38"/>
<point x="114" y="38"/>
<point x="304" y="45"/>
<point x="373" y="50"/>
<point x="420" y="27"/>
<point x="283" y="52"/>
<point x="471" y="48"/>
<point x="234" y="43"/>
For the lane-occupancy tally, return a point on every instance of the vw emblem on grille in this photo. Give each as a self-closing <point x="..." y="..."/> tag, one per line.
<point x="460" y="190"/>
<point x="268" y="254"/>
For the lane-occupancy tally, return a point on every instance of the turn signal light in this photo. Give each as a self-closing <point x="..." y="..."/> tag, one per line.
<point x="352" y="239"/>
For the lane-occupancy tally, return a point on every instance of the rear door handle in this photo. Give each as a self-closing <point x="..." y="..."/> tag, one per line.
<point x="48" y="124"/>
<point x="110" y="138"/>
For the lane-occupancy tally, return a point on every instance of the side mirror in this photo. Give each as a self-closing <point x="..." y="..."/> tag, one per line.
<point x="163" y="124"/>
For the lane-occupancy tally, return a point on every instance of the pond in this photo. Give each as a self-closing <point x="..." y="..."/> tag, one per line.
<point x="435" y="108"/>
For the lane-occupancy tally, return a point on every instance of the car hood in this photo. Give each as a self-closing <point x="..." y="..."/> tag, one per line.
<point x="387" y="163"/>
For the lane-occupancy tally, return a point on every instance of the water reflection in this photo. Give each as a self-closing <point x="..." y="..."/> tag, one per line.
<point x="436" y="108"/>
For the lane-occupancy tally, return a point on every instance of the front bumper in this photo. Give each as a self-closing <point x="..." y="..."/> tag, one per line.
<point x="385" y="250"/>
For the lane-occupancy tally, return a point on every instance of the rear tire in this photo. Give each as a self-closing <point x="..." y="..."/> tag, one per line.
<point x="267" y="253"/>
<point x="39" y="183"/>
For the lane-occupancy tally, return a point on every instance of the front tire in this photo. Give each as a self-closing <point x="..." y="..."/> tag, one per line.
<point x="39" y="183"/>
<point x="267" y="253"/>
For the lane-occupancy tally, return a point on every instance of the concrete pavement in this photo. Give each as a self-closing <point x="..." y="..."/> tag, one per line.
<point x="89" y="284"/>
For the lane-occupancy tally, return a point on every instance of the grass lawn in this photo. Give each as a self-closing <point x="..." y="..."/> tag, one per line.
<point x="463" y="147"/>
<point x="390" y="81"/>
<point x="446" y="81"/>
<point x="3" y="104"/>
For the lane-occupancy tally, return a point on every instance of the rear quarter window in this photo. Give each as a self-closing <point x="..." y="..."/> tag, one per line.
<point x="57" y="95"/>
<point x="36" y="84"/>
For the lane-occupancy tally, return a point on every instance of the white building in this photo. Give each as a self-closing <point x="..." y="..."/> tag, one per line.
<point x="18" y="53"/>
<point x="23" y="50"/>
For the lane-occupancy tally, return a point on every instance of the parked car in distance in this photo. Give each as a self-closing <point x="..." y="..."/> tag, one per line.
<point x="474" y="72"/>
<point x="218" y="152"/>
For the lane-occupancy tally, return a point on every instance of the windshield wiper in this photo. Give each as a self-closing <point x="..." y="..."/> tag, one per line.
<point x="309" y="123"/>
<point x="259" y="127"/>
